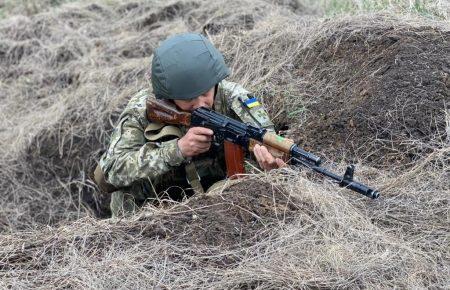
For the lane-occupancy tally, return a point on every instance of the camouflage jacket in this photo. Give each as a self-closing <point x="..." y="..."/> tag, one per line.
<point x="130" y="157"/>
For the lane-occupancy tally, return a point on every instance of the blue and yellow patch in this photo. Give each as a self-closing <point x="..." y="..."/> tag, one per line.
<point x="251" y="103"/>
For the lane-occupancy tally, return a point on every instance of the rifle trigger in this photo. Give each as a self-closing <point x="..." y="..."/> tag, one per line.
<point x="218" y="137"/>
<point x="216" y="141"/>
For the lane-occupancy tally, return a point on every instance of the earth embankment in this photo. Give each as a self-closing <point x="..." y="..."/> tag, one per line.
<point x="371" y="88"/>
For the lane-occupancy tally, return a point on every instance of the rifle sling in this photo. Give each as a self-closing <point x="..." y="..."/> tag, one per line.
<point x="193" y="178"/>
<point x="99" y="179"/>
<point x="158" y="131"/>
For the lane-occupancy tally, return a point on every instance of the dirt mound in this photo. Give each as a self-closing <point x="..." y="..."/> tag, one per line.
<point x="66" y="74"/>
<point x="283" y="232"/>
<point x="239" y="217"/>
<point x="237" y="220"/>
<point x="382" y="91"/>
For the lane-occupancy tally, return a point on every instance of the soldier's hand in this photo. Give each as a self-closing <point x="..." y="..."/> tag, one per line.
<point x="266" y="160"/>
<point x="196" y="141"/>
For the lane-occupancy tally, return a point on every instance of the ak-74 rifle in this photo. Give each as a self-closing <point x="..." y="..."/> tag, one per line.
<point x="237" y="135"/>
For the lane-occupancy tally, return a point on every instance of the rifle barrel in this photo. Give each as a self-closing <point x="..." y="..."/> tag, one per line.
<point x="344" y="181"/>
<point x="240" y="133"/>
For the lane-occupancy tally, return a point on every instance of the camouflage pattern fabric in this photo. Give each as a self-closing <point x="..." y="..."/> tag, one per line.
<point x="147" y="170"/>
<point x="229" y="101"/>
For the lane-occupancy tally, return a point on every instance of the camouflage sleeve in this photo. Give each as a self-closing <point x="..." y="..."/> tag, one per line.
<point x="130" y="157"/>
<point x="245" y="106"/>
<point x="238" y="103"/>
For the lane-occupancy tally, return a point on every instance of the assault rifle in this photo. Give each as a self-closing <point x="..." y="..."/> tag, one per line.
<point x="237" y="135"/>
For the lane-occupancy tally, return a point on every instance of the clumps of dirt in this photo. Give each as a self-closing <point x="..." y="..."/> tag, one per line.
<point x="379" y="91"/>
<point x="266" y="232"/>
<point x="66" y="74"/>
<point x="236" y="218"/>
<point x="239" y="216"/>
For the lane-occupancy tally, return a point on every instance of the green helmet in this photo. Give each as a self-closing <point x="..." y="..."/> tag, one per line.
<point x="186" y="66"/>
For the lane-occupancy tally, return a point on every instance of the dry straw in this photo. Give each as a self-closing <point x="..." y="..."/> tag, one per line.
<point x="67" y="72"/>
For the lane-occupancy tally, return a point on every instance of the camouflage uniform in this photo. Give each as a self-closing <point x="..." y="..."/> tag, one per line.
<point x="144" y="169"/>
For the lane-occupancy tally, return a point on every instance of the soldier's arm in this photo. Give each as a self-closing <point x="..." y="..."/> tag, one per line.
<point x="242" y="106"/>
<point x="130" y="157"/>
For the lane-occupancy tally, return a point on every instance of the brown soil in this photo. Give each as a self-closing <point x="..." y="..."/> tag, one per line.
<point x="384" y="92"/>
<point x="88" y="67"/>
<point x="239" y="217"/>
<point x="66" y="75"/>
<point x="236" y="218"/>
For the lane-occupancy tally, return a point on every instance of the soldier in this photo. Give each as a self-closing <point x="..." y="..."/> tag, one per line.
<point x="146" y="160"/>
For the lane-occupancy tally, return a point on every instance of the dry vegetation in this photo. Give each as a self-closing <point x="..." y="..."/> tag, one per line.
<point x="366" y="85"/>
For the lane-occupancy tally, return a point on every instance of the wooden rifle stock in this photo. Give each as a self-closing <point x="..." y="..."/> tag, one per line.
<point x="275" y="151"/>
<point x="163" y="111"/>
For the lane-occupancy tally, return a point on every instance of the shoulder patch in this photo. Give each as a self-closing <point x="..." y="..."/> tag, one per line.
<point x="245" y="106"/>
<point x="252" y="102"/>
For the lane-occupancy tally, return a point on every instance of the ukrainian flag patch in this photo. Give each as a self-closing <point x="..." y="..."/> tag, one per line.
<point x="251" y="103"/>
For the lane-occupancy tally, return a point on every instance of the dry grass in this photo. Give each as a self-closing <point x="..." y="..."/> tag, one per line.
<point x="65" y="74"/>
<point x="324" y="239"/>
<point x="428" y="8"/>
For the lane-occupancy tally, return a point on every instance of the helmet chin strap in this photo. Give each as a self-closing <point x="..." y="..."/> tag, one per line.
<point x="216" y="88"/>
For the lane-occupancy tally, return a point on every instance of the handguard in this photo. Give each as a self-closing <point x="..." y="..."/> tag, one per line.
<point x="246" y="135"/>
<point x="231" y="130"/>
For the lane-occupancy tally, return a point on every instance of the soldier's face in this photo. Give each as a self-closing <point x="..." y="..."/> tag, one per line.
<point x="204" y="100"/>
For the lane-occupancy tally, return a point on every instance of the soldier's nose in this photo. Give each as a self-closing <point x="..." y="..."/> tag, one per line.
<point x="204" y="104"/>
